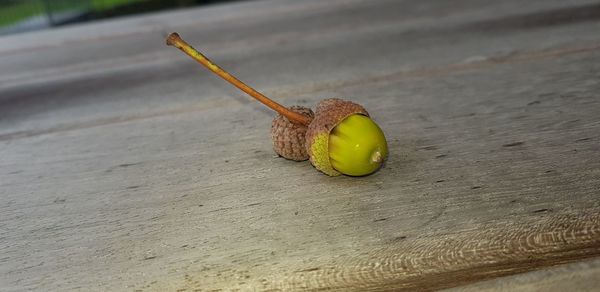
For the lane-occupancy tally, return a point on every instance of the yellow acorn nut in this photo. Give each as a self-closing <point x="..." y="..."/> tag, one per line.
<point x="357" y="146"/>
<point x="342" y="139"/>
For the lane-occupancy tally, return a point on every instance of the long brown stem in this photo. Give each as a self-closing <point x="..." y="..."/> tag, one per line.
<point x="175" y="40"/>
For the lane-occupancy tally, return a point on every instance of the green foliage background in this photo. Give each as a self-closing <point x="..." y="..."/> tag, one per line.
<point x="14" y="11"/>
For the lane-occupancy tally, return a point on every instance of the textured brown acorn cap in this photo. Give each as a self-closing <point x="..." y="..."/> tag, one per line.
<point x="329" y="113"/>
<point x="289" y="138"/>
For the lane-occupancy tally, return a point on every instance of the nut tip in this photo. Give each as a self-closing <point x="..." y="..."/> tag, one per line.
<point x="377" y="157"/>
<point x="172" y="38"/>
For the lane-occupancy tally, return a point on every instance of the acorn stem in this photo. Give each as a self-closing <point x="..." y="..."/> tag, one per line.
<point x="175" y="40"/>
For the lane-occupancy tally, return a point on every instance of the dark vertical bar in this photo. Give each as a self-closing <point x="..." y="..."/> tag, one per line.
<point x="48" y="11"/>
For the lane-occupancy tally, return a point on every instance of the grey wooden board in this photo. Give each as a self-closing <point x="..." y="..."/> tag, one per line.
<point x="580" y="276"/>
<point x="126" y="166"/>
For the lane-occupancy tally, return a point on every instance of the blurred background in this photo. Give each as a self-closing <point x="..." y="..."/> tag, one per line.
<point x="26" y="15"/>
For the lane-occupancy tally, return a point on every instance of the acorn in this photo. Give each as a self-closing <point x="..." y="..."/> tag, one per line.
<point x="338" y="138"/>
<point x="342" y="138"/>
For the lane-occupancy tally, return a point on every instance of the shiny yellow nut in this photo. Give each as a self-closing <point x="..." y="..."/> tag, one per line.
<point x="357" y="146"/>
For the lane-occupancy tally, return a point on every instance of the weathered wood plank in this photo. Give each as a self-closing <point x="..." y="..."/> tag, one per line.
<point x="124" y="166"/>
<point x="581" y="276"/>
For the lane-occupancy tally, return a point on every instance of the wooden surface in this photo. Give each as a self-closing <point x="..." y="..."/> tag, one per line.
<point x="579" y="276"/>
<point x="125" y="166"/>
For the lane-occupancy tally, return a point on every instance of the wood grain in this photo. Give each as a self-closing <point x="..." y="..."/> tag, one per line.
<point x="580" y="276"/>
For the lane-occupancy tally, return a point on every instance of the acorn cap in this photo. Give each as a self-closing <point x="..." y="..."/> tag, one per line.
<point x="289" y="138"/>
<point x="329" y="113"/>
